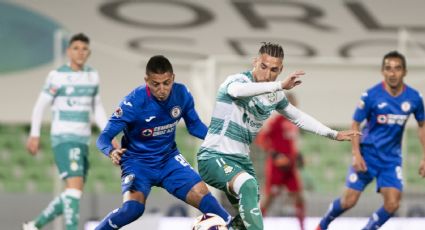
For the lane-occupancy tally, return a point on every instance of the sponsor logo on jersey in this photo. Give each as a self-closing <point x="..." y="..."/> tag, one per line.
<point x="382" y="105"/>
<point x="271" y="97"/>
<point x="176" y="111"/>
<point x="391" y="119"/>
<point x="405" y="106"/>
<point x="159" y="130"/>
<point x="147" y="132"/>
<point x="149" y="118"/>
<point x="118" y="112"/>
<point x="69" y="90"/>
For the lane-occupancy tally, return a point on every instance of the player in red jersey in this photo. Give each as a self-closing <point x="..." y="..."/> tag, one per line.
<point x="278" y="138"/>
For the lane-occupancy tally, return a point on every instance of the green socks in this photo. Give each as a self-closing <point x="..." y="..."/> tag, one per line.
<point x="67" y="203"/>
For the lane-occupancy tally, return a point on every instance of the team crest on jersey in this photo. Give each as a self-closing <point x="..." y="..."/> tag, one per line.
<point x="73" y="166"/>
<point x="405" y="106"/>
<point x="118" y="112"/>
<point x="147" y="132"/>
<point x="129" y="178"/>
<point x="272" y="97"/>
<point x="176" y="111"/>
<point x="353" y="177"/>
<point x="227" y="169"/>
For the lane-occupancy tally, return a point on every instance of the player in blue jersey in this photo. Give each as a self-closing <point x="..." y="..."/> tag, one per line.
<point x="148" y="116"/>
<point x="377" y="155"/>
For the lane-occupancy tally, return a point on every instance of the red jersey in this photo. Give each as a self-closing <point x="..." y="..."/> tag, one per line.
<point x="279" y="135"/>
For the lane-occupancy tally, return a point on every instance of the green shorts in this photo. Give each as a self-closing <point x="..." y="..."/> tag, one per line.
<point x="218" y="169"/>
<point x="71" y="159"/>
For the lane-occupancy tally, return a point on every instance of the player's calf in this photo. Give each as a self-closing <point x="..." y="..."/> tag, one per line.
<point x="130" y="211"/>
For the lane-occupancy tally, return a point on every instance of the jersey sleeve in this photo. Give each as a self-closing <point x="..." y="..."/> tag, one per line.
<point x="363" y="108"/>
<point x="122" y="117"/>
<point x="50" y="87"/>
<point x="194" y="124"/>
<point x="419" y="113"/>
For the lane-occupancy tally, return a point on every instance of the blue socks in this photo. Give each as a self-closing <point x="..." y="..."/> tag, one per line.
<point x="130" y="211"/>
<point x="378" y="219"/>
<point x="334" y="211"/>
<point x="209" y="204"/>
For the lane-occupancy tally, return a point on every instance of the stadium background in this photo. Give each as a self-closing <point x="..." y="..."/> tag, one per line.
<point x="338" y="43"/>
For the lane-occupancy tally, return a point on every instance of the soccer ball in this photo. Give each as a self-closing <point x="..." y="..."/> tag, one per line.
<point x="209" y="221"/>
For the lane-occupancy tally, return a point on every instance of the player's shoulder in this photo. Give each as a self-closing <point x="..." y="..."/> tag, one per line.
<point x="180" y="88"/>
<point x="373" y="92"/>
<point x="243" y="76"/>
<point x="412" y="92"/>
<point x="136" y="98"/>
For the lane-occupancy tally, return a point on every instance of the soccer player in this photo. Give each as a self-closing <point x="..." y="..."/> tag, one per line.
<point x="149" y="155"/>
<point x="244" y="101"/>
<point x="377" y="155"/>
<point x="279" y="139"/>
<point x="72" y="90"/>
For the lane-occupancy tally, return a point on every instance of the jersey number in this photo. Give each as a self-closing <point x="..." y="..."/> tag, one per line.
<point x="74" y="154"/>
<point x="181" y="160"/>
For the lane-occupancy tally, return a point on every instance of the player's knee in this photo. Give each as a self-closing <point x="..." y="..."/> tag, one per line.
<point x="391" y="206"/>
<point x="246" y="182"/>
<point x="133" y="209"/>
<point x="348" y="202"/>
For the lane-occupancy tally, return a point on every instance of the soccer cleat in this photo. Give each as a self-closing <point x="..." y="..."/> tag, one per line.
<point x="29" y="226"/>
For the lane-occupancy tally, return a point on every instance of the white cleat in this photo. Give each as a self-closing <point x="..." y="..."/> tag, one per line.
<point x="29" y="226"/>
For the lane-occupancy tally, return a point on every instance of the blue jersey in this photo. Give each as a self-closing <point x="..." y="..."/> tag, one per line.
<point x="149" y="125"/>
<point x="386" y="117"/>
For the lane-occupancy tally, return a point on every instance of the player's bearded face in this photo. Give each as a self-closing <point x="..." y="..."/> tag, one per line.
<point x="78" y="53"/>
<point x="267" y="68"/>
<point x="160" y="84"/>
<point x="393" y="72"/>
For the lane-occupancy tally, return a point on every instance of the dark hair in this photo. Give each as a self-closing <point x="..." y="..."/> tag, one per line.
<point x="395" y="54"/>
<point x="272" y="49"/>
<point x="158" y="64"/>
<point x="79" y="37"/>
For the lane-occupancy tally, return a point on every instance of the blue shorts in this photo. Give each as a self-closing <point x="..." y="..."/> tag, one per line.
<point x="387" y="176"/>
<point x="175" y="175"/>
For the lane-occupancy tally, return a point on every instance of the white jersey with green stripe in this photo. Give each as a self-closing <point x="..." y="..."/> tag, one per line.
<point x="73" y="96"/>
<point x="236" y="121"/>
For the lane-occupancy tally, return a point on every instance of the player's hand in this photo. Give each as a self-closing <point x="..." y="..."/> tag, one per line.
<point x="358" y="163"/>
<point x="292" y="80"/>
<point x="115" y="156"/>
<point x="422" y="167"/>
<point x="33" y="144"/>
<point x="347" y="135"/>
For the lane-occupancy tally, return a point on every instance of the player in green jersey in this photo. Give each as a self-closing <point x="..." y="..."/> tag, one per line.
<point x="244" y="101"/>
<point x="72" y="91"/>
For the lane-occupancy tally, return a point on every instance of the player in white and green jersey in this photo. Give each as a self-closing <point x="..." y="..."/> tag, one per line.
<point x="72" y="91"/>
<point x="244" y="101"/>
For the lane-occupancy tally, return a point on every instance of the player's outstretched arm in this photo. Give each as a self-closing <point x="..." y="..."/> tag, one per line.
<point x="292" y="80"/>
<point x="347" y="135"/>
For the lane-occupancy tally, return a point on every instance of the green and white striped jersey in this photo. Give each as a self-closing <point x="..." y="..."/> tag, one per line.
<point x="236" y="121"/>
<point x="73" y="95"/>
